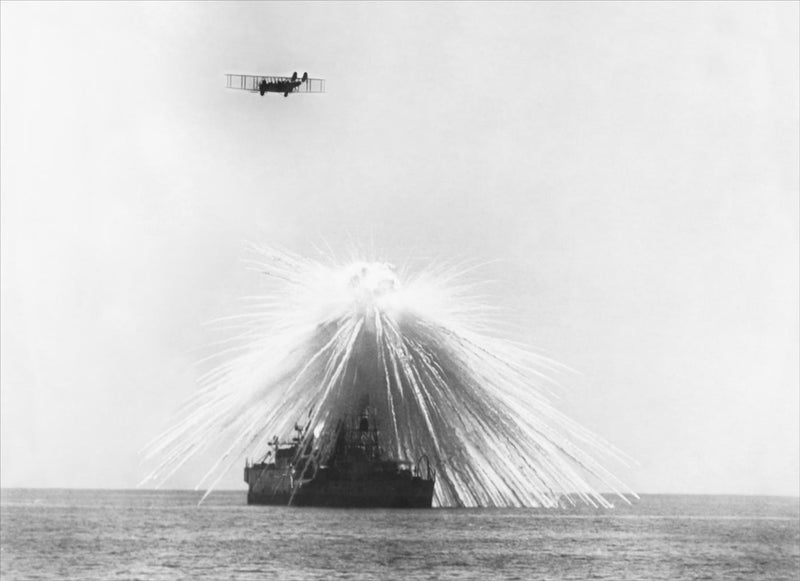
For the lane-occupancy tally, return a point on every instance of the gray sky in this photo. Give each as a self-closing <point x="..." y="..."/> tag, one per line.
<point x="632" y="169"/>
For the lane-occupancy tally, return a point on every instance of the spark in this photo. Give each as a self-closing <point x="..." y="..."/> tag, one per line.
<point x="328" y="338"/>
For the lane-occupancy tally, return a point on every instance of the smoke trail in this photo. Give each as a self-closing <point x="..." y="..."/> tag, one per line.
<point x="330" y="340"/>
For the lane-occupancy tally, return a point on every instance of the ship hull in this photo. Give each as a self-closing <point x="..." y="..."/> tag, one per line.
<point x="268" y="487"/>
<point x="344" y="495"/>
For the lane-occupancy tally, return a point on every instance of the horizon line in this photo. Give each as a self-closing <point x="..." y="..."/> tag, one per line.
<point x="244" y="490"/>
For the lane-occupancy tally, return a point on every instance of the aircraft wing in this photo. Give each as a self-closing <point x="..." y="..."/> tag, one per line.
<point x="251" y="82"/>
<point x="311" y="86"/>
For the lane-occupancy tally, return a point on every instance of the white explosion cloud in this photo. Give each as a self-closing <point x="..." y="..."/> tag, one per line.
<point x="330" y="339"/>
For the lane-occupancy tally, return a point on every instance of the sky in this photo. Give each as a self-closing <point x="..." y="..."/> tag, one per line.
<point x="629" y="173"/>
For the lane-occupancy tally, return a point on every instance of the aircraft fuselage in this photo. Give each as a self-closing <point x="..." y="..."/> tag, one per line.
<point x="284" y="87"/>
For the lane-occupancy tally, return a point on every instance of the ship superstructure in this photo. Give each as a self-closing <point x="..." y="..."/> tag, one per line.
<point x="357" y="473"/>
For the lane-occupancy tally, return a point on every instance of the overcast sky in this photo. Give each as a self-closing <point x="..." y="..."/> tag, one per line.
<point x="631" y="169"/>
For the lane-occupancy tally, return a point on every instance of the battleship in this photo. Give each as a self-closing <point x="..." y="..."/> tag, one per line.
<point x="357" y="474"/>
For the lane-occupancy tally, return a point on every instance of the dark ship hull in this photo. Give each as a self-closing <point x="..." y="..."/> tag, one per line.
<point x="355" y="475"/>
<point x="399" y="492"/>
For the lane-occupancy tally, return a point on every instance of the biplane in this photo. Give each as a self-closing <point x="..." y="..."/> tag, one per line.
<point x="268" y="84"/>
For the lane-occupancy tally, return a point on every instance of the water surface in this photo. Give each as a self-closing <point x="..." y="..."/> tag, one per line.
<point x="104" y="534"/>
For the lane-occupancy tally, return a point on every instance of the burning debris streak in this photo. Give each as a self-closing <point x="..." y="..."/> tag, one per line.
<point x="332" y="339"/>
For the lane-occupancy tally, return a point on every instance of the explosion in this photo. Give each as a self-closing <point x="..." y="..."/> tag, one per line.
<point x="329" y="340"/>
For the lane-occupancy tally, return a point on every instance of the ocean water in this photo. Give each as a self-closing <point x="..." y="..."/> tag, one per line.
<point x="104" y="535"/>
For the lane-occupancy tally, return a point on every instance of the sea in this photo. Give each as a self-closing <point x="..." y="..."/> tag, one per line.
<point x="165" y="535"/>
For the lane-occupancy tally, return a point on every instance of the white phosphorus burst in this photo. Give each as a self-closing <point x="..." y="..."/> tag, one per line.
<point x="329" y="338"/>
